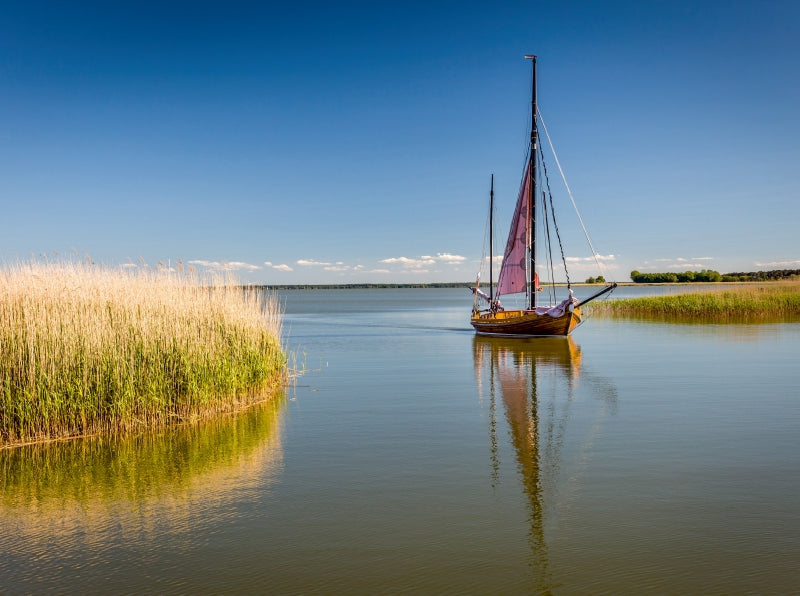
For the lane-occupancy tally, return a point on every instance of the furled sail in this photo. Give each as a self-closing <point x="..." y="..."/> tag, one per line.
<point x="513" y="277"/>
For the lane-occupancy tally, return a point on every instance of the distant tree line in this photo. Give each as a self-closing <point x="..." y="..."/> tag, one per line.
<point x="774" y="275"/>
<point x="709" y="275"/>
<point x="361" y="286"/>
<point x="596" y="280"/>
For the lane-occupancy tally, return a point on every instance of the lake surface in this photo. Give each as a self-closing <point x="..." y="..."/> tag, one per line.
<point x="415" y="457"/>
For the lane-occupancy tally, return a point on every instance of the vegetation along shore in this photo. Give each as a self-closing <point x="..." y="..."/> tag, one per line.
<point x="87" y="349"/>
<point x="709" y="275"/>
<point x="770" y="301"/>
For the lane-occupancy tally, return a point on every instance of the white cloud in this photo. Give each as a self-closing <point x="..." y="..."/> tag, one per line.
<point x="409" y="263"/>
<point x="282" y="267"/>
<point x="226" y="265"/>
<point x="779" y="264"/>
<point x="590" y="259"/>
<point x="680" y="259"/>
<point x="337" y="268"/>
<point x="448" y="258"/>
<point x="678" y="263"/>
<point x="311" y="263"/>
<point x="685" y="260"/>
<point x="684" y="264"/>
<point x="424" y="261"/>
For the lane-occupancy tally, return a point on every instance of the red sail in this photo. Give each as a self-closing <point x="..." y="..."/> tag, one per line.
<point x="513" y="276"/>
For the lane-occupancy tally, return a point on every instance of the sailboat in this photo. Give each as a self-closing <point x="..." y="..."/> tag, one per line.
<point x="518" y="272"/>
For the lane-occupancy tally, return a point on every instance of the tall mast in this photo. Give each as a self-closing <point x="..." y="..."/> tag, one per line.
<point x="491" y="240"/>
<point x="532" y="184"/>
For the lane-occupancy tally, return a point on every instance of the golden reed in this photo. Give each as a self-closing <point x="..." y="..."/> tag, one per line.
<point x="750" y="301"/>
<point x="86" y="349"/>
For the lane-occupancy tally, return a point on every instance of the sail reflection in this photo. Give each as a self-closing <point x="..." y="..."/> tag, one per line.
<point x="150" y="484"/>
<point x="535" y="380"/>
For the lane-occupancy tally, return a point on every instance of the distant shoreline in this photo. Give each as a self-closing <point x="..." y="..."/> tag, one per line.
<point x="466" y="285"/>
<point x="688" y="278"/>
<point x="362" y="286"/>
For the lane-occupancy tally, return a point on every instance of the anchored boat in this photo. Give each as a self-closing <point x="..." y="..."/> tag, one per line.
<point x="518" y="271"/>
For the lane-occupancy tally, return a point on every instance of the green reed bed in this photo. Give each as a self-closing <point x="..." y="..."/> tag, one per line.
<point x="768" y="301"/>
<point x="86" y="349"/>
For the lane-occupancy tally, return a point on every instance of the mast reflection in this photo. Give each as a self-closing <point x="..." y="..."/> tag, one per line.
<point x="528" y="375"/>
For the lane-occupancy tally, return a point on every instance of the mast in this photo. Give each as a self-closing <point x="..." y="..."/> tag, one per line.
<point x="491" y="240"/>
<point x="532" y="185"/>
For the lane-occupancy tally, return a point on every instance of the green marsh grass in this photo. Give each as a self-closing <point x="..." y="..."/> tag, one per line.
<point x="86" y="349"/>
<point x="769" y="301"/>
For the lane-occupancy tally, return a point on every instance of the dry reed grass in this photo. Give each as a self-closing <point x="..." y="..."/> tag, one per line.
<point x="774" y="300"/>
<point x="87" y="349"/>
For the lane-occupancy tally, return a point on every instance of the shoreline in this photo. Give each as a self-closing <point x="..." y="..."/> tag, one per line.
<point x="467" y="285"/>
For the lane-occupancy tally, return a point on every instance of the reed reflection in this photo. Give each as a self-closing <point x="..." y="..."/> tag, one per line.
<point x="535" y="380"/>
<point x="146" y="484"/>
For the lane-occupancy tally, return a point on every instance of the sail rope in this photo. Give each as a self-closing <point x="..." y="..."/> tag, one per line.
<point x="483" y="259"/>
<point x="547" y="240"/>
<point x="548" y="252"/>
<point x="486" y="234"/>
<point x="569" y="192"/>
<point x="555" y="225"/>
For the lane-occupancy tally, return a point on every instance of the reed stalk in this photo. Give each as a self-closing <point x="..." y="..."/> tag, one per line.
<point x="771" y="301"/>
<point x="87" y="349"/>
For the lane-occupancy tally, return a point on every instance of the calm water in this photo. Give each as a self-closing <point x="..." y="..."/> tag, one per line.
<point x="414" y="457"/>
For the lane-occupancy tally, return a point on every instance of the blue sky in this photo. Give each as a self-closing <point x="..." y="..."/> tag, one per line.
<point x="339" y="142"/>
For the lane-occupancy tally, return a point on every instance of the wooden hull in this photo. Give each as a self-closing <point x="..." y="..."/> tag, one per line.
<point x="524" y="323"/>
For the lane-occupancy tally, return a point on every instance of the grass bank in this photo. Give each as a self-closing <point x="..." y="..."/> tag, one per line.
<point x="771" y="301"/>
<point x="86" y="349"/>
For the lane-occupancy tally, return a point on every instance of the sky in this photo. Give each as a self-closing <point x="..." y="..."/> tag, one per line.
<point x="349" y="142"/>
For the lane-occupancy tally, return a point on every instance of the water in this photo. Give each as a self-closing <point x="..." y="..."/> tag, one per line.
<point x="414" y="457"/>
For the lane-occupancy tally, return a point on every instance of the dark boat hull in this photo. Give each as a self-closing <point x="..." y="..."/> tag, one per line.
<point x="524" y="323"/>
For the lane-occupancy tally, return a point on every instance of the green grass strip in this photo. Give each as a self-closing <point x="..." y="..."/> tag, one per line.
<point x="764" y="301"/>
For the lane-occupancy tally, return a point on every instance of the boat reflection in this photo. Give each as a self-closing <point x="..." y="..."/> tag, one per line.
<point x="161" y="482"/>
<point x="535" y="380"/>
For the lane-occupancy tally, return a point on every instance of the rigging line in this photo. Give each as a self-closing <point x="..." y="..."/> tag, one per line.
<point x="483" y="259"/>
<point x="569" y="192"/>
<point x="548" y="244"/>
<point x="552" y="286"/>
<point x="485" y="234"/>
<point x="485" y="243"/>
<point x="553" y="212"/>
